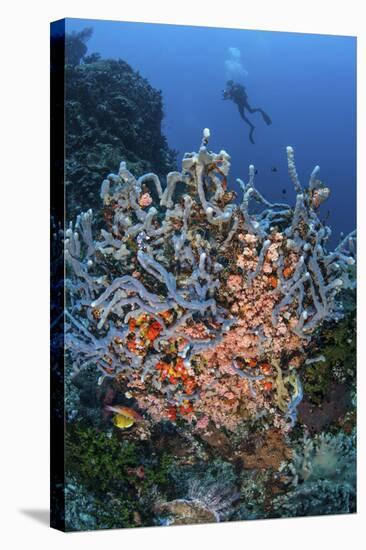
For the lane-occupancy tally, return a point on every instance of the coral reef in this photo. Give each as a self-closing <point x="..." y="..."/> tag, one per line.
<point x="111" y="112"/>
<point x="199" y="306"/>
<point x="207" y="495"/>
<point x="329" y="373"/>
<point x="210" y="371"/>
<point x="86" y="510"/>
<point x="322" y="475"/>
<point x="97" y="457"/>
<point x="111" y="482"/>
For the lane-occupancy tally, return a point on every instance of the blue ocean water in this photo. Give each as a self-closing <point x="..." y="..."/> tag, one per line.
<point x="305" y="82"/>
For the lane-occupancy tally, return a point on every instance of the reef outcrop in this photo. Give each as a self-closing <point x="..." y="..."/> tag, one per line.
<point x="111" y="112"/>
<point x="199" y="304"/>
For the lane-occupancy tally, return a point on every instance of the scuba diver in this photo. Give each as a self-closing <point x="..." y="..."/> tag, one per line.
<point x="236" y="92"/>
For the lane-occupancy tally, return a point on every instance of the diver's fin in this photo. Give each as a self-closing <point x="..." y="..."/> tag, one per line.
<point x="266" y="118"/>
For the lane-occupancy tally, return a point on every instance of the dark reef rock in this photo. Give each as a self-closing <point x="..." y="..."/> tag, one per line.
<point x="318" y="417"/>
<point x="112" y="114"/>
<point x="218" y="443"/>
<point x="76" y="48"/>
<point x="269" y="453"/>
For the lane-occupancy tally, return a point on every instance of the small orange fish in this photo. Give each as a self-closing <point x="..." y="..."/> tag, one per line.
<point x="125" y="411"/>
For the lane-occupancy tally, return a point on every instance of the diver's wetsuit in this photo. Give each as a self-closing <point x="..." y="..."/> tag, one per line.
<point x="237" y="93"/>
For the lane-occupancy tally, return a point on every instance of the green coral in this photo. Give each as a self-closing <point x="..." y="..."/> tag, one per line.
<point x="316" y="380"/>
<point x="98" y="458"/>
<point x="104" y="489"/>
<point x="337" y="345"/>
<point x="158" y="474"/>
